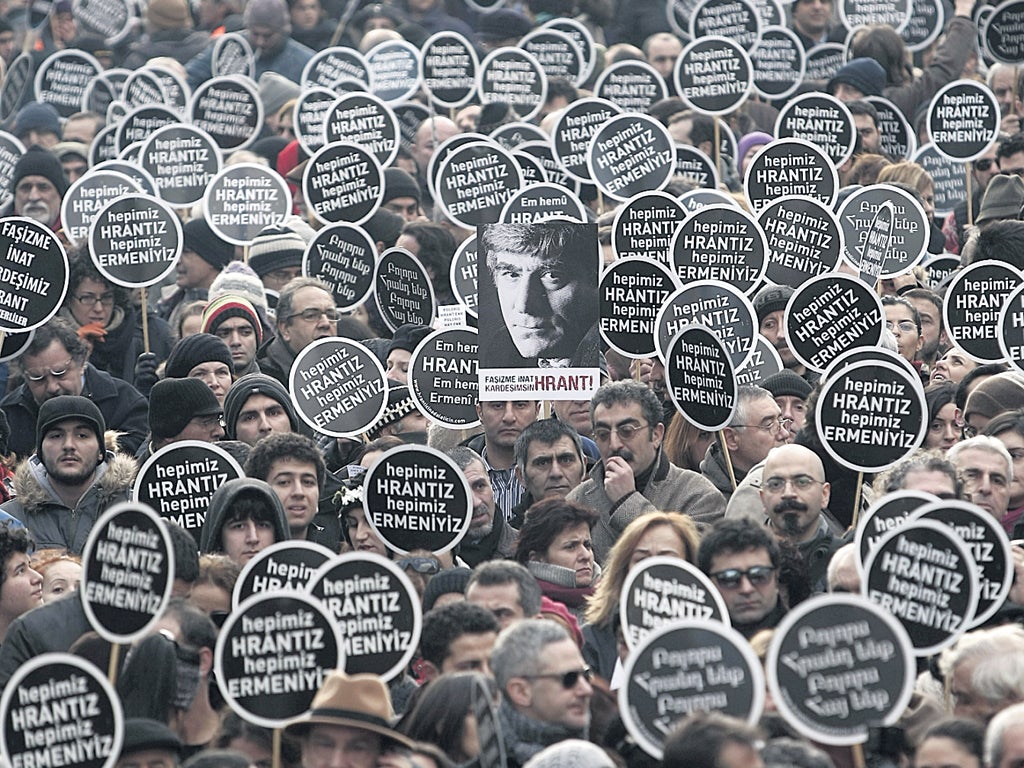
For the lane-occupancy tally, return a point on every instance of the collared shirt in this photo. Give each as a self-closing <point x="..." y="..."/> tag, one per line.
<point x="507" y="488"/>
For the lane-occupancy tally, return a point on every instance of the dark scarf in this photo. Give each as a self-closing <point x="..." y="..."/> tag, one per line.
<point x="525" y="737"/>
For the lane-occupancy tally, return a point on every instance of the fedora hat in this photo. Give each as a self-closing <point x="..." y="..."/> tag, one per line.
<point x="356" y="701"/>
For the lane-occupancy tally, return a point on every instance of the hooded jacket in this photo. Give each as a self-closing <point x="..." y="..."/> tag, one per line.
<point x="224" y="499"/>
<point x="54" y="524"/>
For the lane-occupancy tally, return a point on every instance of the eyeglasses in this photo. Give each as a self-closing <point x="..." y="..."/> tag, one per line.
<point x="774" y="426"/>
<point x="731" y="578"/>
<point x="313" y="314"/>
<point x="905" y="326"/>
<point x="626" y="432"/>
<point x="567" y="679"/>
<point x="56" y="373"/>
<point x="420" y="564"/>
<point x="983" y="164"/>
<point x="91" y="300"/>
<point x="800" y="482"/>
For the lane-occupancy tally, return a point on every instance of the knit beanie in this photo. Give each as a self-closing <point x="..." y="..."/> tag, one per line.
<point x="37" y="116"/>
<point x="40" y="162"/>
<point x="450" y="581"/>
<point x="864" y="74"/>
<point x="255" y="384"/>
<point x="276" y="247"/>
<point x="267" y="13"/>
<point x="771" y="298"/>
<point x="398" y="183"/>
<point x="64" y="407"/>
<point x="999" y="393"/>
<point x="229" y="306"/>
<point x="400" y="404"/>
<point x="173" y="403"/>
<point x="571" y="753"/>
<point x="195" y="350"/>
<point x="1004" y="197"/>
<point x="786" y="383"/>
<point x="275" y="91"/>
<point x="408" y="337"/>
<point x="168" y="14"/>
<point x="384" y="227"/>
<point x="238" y="279"/>
<point x="205" y="243"/>
<point x="749" y="140"/>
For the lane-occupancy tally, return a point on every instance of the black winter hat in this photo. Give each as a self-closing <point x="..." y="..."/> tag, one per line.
<point x="194" y="350"/>
<point x="173" y="403"/>
<point x="787" y="383"/>
<point x="205" y="243"/>
<point x="771" y="298"/>
<point x="255" y="384"/>
<point x="64" y="407"/>
<point x="41" y="162"/>
<point x="408" y="337"/>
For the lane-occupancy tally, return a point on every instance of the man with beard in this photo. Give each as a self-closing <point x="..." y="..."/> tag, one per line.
<point x="770" y="306"/>
<point x="39" y="185"/>
<point x="795" y="497"/>
<point x="489" y="535"/>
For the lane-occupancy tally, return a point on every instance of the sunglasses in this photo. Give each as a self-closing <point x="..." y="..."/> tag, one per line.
<point x="731" y="578"/>
<point x="420" y="564"/>
<point x="567" y="679"/>
<point x="984" y="164"/>
<point x="219" y="617"/>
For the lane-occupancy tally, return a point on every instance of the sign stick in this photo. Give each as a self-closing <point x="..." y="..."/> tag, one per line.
<point x="145" y="321"/>
<point x="858" y="755"/>
<point x="276" y="749"/>
<point x="600" y="202"/>
<point x="718" y="164"/>
<point x="970" y="208"/>
<point x="350" y="9"/>
<point x="115" y="651"/>
<point x="856" y="500"/>
<point x="728" y="459"/>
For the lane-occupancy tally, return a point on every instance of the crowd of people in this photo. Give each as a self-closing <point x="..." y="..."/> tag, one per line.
<point x="566" y="496"/>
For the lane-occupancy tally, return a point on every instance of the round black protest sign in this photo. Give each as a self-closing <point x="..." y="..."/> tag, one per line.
<point x="872" y="355"/>
<point x="804" y="240"/>
<point x="178" y="481"/>
<point x="837" y="665"/>
<point x="343" y="256"/>
<point x="887" y="514"/>
<point x="696" y="167"/>
<point x="897" y="137"/>
<point x="359" y="118"/>
<point x="631" y="292"/>
<point x="402" y="289"/>
<point x="573" y="131"/>
<point x="448" y="68"/>
<point x="925" y="576"/>
<point x="553" y="172"/>
<point x="822" y="120"/>
<point x="898" y="248"/>
<point x="663" y="590"/>
<point x="764" y="361"/>
<point x="926" y="20"/>
<point x="62" y="78"/>
<point x="699" y="374"/>
<point x="940" y="269"/>
<point x="531" y="168"/>
<point x="716" y="305"/>
<point x="988" y="544"/>
<point x="127" y="572"/>
<point x="557" y="54"/>
<point x="858" y="13"/>
<point x="143" y="87"/>
<point x="229" y="109"/>
<point x="790" y="167"/>
<point x="33" y="274"/>
<point x="1010" y="327"/>
<point x="103" y="91"/>
<point x="174" y="86"/>
<point x="579" y="34"/>
<point x="394" y="68"/>
<point x="723" y="243"/>
<point x="273" y="654"/>
<point x="948" y="177"/>
<point x="232" y="55"/>
<point x="131" y="152"/>
<point x="630" y="154"/>
<point x="243" y="199"/>
<point x="463" y="274"/>
<point x="475" y="181"/>
<point x="779" y="63"/>
<point x="417" y="498"/>
<point x="104" y="147"/>
<point x="134" y="172"/>
<point x="871" y="415"/>
<point x="973" y="302"/>
<point x="19" y="75"/>
<point x="377" y="608"/>
<point x="330" y="65"/>
<point x="963" y="120"/>
<point x="142" y="122"/>
<point x="443" y="378"/>
<point x="631" y="85"/>
<point x="14" y="344"/>
<point x="448" y="146"/>
<point x="1004" y="32"/>
<point x="541" y="201"/>
<point x="829" y="315"/>
<point x="713" y="75"/>
<point x="310" y="116"/>
<point x="514" y="77"/>
<point x="678" y="13"/>
<point x="688" y="667"/>
<point x="644" y="226"/>
<point x="87" y="195"/>
<point x="58" y="709"/>
<point x="513" y="135"/>
<point x="343" y="182"/>
<point x="736" y="20"/>
<point x="183" y="160"/>
<point x="824" y="60"/>
<point x="287" y="566"/>
<point x="695" y="199"/>
<point x="338" y="387"/>
<point x="135" y="241"/>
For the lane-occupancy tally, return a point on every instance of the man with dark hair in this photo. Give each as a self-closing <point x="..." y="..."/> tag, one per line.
<point x="54" y="363"/>
<point x="770" y="305"/>
<point x="865" y="120"/>
<point x="902" y="319"/>
<point x="457" y="637"/>
<point x="489" y="534"/>
<point x="234" y="320"/>
<point x="549" y="462"/>
<point x="742" y="559"/>
<point x="204" y="254"/>
<point x="245" y="517"/>
<point x="635" y="476"/>
<point x="503" y="421"/>
<point x="21" y="587"/>
<point x="256" y="406"/>
<point x="401" y="194"/>
<point x="1000" y="241"/>
<point x="712" y="740"/>
<point x="929" y="308"/>
<point x="305" y="313"/>
<point x="71" y="479"/>
<point x="506" y="589"/>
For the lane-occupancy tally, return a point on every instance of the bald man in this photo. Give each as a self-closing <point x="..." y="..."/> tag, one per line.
<point x="795" y="497"/>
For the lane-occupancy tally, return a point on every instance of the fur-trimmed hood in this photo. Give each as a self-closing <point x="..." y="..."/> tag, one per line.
<point x="34" y="491"/>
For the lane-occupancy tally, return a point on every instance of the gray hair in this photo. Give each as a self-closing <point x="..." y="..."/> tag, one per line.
<point x="547" y="431"/>
<point x="746" y="395"/>
<point x="982" y="443"/>
<point x="463" y="456"/>
<point x="996" y="732"/>
<point x="287" y="297"/>
<point x="998" y="654"/>
<point x="519" y="650"/>
<point x="493" y="573"/>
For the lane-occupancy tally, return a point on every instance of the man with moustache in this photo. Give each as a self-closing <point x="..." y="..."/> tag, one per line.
<point x="489" y="535"/>
<point x="795" y="497"/>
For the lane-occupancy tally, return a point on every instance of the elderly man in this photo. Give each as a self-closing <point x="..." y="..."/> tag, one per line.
<point x="305" y="313"/>
<point x="635" y="476"/>
<point x="182" y="409"/>
<point x="986" y="669"/>
<point x="545" y="688"/>
<point x="986" y="470"/>
<point x="39" y="185"/>
<point x="549" y="462"/>
<point x="489" y="534"/>
<point x="1004" y="739"/>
